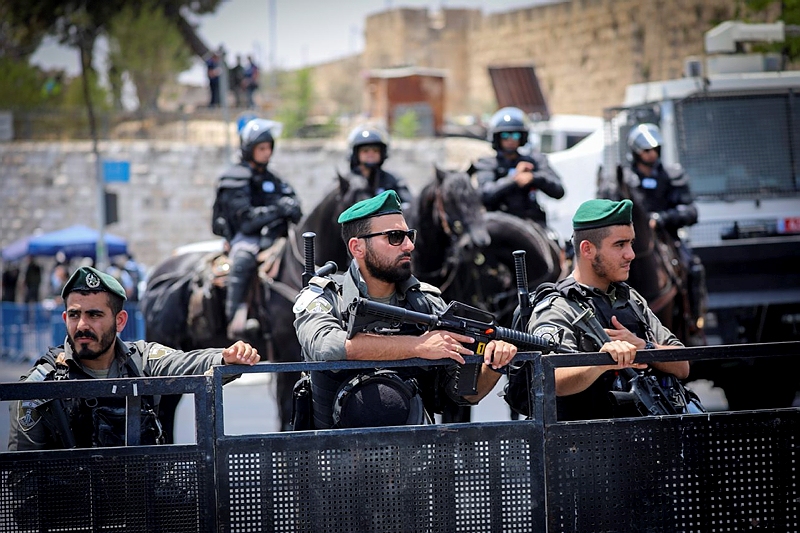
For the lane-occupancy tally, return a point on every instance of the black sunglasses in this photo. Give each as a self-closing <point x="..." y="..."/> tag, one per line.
<point x="395" y="236"/>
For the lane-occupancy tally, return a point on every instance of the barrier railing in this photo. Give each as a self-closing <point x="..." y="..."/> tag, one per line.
<point x="132" y="488"/>
<point x="726" y="471"/>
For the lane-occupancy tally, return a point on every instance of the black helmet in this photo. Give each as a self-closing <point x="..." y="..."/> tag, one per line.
<point x="508" y="119"/>
<point x="378" y="398"/>
<point x="255" y="132"/>
<point x="644" y="137"/>
<point x="365" y="135"/>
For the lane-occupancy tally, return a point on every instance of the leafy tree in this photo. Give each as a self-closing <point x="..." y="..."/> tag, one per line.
<point x="20" y="84"/>
<point x="790" y="15"/>
<point x="146" y="44"/>
<point x="296" y="96"/>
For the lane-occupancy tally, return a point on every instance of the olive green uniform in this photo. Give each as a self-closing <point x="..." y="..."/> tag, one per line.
<point x="556" y="313"/>
<point x="138" y="359"/>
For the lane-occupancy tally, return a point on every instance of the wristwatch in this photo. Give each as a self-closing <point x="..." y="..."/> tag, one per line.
<point x="649" y="346"/>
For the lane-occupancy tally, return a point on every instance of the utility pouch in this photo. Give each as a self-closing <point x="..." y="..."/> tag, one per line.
<point x="302" y="405"/>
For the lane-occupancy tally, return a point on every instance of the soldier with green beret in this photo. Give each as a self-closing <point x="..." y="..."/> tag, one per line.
<point x="380" y="244"/>
<point x="94" y="316"/>
<point x="603" y="239"/>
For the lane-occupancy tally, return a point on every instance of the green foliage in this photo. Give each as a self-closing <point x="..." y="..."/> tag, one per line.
<point x="146" y="44"/>
<point x="296" y="97"/>
<point x="20" y="85"/>
<point x="73" y="93"/>
<point x="406" y="125"/>
<point x="789" y="14"/>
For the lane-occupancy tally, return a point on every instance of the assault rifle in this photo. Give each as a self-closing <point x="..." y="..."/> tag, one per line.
<point x="645" y="390"/>
<point x="458" y="318"/>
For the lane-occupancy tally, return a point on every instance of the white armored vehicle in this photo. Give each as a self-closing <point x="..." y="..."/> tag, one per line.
<point x="733" y="124"/>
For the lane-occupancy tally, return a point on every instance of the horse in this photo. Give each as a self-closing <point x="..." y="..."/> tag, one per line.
<point x="467" y="252"/>
<point x="195" y="282"/>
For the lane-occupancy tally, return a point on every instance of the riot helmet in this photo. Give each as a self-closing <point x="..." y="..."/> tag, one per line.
<point x="255" y="132"/>
<point x="508" y="120"/>
<point x="378" y="398"/>
<point x="367" y="135"/>
<point x="644" y="137"/>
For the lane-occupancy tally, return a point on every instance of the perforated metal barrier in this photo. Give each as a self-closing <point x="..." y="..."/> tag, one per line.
<point x="133" y="489"/>
<point x="476" y="477"/>
<point x="716" y="472"/>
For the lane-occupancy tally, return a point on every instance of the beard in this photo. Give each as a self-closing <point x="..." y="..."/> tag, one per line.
<point x="602" y="269"/>
<point x="85" y="353"/>
<point x="388" y="271"/>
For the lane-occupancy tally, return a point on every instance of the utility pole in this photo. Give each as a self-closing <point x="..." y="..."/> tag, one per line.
<point x="273" y="30"/>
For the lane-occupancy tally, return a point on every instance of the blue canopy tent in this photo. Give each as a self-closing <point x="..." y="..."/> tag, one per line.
<point x="75" y="241"/>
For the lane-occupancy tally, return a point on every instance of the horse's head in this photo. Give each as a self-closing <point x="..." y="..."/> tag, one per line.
<point x="459" y="210"/>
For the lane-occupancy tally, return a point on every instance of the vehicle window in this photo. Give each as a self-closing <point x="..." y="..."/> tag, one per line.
<point x="740" y="146"/>
<point x="574" y="139"/>
<point x="547" y="143"/>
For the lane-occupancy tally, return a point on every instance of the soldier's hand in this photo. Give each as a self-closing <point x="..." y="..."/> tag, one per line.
<point x="623" y="353"/>
<point x="524" y="173"/>
<point x="240" y="353"/>
<point x="621" y="333"/>
<point x="499" y="353"/>
<point x="443" y="345"/>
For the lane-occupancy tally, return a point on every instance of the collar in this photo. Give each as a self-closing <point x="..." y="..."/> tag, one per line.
<point x="354" y="285"/>
<point x="122" y="351"/>
<point x="620" y="290"/>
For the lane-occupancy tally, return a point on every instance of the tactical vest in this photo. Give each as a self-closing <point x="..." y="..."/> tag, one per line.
<point x="95" y="422"/>
<point x="326" y="384"/>
<point x="593" y="402"/>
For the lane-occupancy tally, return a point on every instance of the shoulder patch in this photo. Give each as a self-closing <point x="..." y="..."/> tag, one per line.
<point x="319" y="305"/>
<point x="308" y="294"/>
<point x="157" y="351"/>
<point x="546" y="330"/>
<point x="430" y="289"/>
<point x="28" y="416"/>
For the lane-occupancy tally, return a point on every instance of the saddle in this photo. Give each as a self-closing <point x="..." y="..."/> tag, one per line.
<point x="206" y="309"/>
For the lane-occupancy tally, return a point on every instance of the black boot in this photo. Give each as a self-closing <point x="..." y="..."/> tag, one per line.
<point x="244" y="266"/>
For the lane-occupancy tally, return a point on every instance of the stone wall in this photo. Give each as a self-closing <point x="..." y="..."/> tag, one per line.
<point x="167" y="203"/>
<point x="585" y="51"/>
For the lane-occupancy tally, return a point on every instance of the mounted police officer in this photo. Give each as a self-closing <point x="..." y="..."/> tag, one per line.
<point x="369" y="149"/>
<point x="666" y="194"/>
<point x="603" y="237"/>
<point x="253" y="208"/>
<point x="510" y="181"/>
<point x="94" y="316"/>
<point x="665" y="189"/>
<point x="380" y="244"/>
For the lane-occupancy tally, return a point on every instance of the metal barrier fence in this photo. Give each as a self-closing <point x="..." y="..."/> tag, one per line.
<point x="28" y="330"/>
<point x="133" y="489"/>
<point x="715" y="472"/>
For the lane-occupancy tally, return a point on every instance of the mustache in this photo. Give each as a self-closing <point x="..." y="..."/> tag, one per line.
<point x="404" y="255"/>
<point x="85" y="335"/>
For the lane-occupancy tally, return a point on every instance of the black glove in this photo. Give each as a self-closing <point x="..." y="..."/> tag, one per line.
<point x="290" y="209"/>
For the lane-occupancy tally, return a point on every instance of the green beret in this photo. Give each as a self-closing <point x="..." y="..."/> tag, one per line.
<point x="91" y="279"/>
<point x="386" y="203"/>
<point x="601" y="213"/>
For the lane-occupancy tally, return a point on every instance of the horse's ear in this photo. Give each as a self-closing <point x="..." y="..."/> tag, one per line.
<point x="440" y="174"/>
<point x="344" y="184"/>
